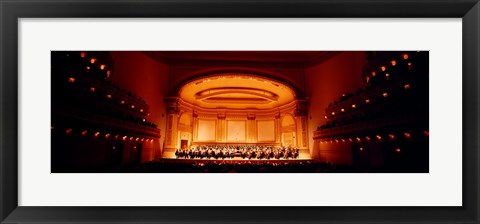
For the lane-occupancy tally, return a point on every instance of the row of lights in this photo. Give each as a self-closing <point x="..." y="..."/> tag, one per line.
<point x="392" y="63"/>
<point x="367" y="101"/>
<point x="397" y="150"/>
<point x="97" y="134"/>
<point x="92" y="61"/>
<point x="368" y="138"/>
<point x="109" y="96"/>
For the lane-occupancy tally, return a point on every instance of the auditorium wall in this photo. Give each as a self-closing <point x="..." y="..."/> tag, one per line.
<point x="325" y="83"/>
<point x="148" y="79"/>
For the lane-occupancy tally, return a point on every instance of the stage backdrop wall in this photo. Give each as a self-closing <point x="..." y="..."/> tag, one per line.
<point x="206" y="130"/>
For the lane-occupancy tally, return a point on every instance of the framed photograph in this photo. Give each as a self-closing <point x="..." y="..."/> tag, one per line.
<point x="250" y="112"/>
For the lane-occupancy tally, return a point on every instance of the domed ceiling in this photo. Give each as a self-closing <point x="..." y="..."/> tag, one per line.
<point x="236" y="91"/>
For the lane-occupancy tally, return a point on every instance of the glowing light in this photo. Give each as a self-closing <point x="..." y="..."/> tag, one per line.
<point x="336" y="140"/>
<point x="407" y="86"/>
<point x="68" y="131"/>
<point x="405" y="56"/>
<point x="107" y="135"/>
<point x="141" y="110"/>
<point x="97" y="134"/>
<point x="133" y="106"/>
<point x="361" y="149"/>
<point x="137" y="139"/>
<point x="93" y="60"/>
<point x="343" y="140"/>
<point x="108" y="73"/>
<point x="116" y="136"/>
<point x="368" y="138"/>
<point x="354" y="106"/>
<point x="343" y="95"/>
<point x="122" y="102"/>
<point x="391" y="136"/>
<point x="333" y="113"/>
<point x="379" y="137"/>
<point x="88" y="67"/>
<point x="407" y="135"/>
<point x="358" y="139"/>
<point x="374" y="74"/>
<point x="367" y="101"/>
<point x="385" y="94"/>
<point x="109" y="96"/>
<point x="409" y="65"/>
<point x="397" y="150"/>
<point x="82" y="54"/>
<point x="102" y="67"/>
<point x="151" y="140"/>
<point x="343" y="110"/>
<point x="71" y="80"/>
<point x="393" y="63"/>
<point x="387" y="75"/>
<point x="124" y="138"/>
<point x="142" y="139"/>
<point x="92" y="89"/>
<point x="350" y="140"/>
<point x="326" y="117"/>
<point x="84" y="133"/>
<point x="383" y="68"/>
<point x="131" y="138"/>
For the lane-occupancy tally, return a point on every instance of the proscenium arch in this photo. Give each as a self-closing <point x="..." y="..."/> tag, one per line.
<point x="272" y="76"/>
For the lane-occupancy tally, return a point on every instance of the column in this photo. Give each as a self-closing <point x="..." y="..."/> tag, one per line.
<point x="172" y="122"/>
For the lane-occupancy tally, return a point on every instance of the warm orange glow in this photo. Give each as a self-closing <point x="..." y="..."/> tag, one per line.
<point x="68" y="131"/>
<point x="321" y="142"/>
<point x="393" y="63"/>
<point x="97" y="134"/>
<point x="407" y="135"/>
<point x="131" y="138"/>
<point x="102" y="67"/>
<point x="374" y="74"/>
<point x="367" y="79"/>
<point x="82" y="54"/>
<point x="88" y="67"/>
<point x="142" y="139"/>
<point x="368" y="138"/>
<point x="361" y="149"/>
<point x="409" y="64"/>
<point x="141" y="110"/>
<point x="385" y="94"/>
<point x="116" y="136"/>
<point x="354" y="106"/>
<point x="350" y="140"/>
<point x="84" y="133"/>
<point x="107" y="135"/>
<point x="93" y="60"/>
<point x="387" y="75"/>
<point x="326" y="117"/>
<point x="133" y="106"/>
<point x="383" y="68"/>
<point x="343" y="110"/>
<point x="122" y="102"/>
<point x="137" y="139"/>
<point x="109" y="96"/>
<point x="397" y="150"/>
<point x="391" y="136"/>
<point x="405" y="56"/>
<point x="367" y="101"/>
<point x="379" y="137"/>
<point x="344" y="95"/>
<point x="92" y="89"/>
<point x="124" y="138"/>
<point x="333" y="113"/>
<point x="108" y="73"/>
<point x="71" y="80"/>
<point x="343" y="140"/>
<point x="336" y="140"/>
<point x="407" y="86"/>
<point x="358" y="139"/>
<point x="151" y="140"/>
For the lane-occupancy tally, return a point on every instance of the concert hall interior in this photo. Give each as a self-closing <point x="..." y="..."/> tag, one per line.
<point x="240" y="111"/>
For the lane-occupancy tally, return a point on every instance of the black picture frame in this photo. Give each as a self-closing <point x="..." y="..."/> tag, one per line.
<point x="11" y="11"/>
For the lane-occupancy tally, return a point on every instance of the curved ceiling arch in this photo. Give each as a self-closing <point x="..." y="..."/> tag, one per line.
<point x="212" y="72"/>
<point x="236" y="91"/>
